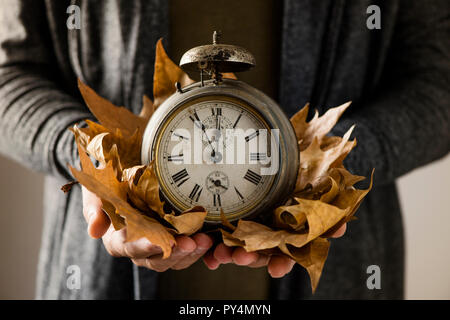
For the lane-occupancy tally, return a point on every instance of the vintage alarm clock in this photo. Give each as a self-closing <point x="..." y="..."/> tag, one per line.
<point x="220" y="143"/>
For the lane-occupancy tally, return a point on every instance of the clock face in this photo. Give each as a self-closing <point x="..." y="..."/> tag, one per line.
<point x="210" y="152"/>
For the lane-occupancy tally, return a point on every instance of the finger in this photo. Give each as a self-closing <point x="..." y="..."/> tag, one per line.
<point x="210" y="262"/>
<point x="243" y="258"/>
<point x="115" y="243"/>
<point x="339" y="232"/>
<point x="98" y="221"/>
<point x="141" y="248"/>
<point x="262" y="261"/>
<point x="91" y="203"/>
<point x="184" y="247"/>
<point x="203" y="242"/>
<point x="223" y="253"/>
<point x="279" y="266"/>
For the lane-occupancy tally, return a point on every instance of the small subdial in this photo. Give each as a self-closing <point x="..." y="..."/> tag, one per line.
<point x="217" y="182"/>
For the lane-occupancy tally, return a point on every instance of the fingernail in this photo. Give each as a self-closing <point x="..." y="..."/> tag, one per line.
<point x="184" y="251"/>
<point x="199" y="251"/>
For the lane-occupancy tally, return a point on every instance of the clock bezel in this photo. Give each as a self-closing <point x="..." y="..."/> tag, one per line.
<point x="169" y="195"/>
<point x="255" y="102"/>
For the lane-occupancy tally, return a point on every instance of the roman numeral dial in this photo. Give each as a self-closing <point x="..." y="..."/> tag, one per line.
<point x="180" y="177"/>
<point x="252" y="177"/>
<point x="216" y="185"/>
<point x="195" y="193"/>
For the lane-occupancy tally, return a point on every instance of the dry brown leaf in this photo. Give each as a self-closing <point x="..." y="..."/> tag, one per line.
<point x="116" y="220"/>
<point x="312" y="257"/>
<point x="320" y="217"/>
<point x="133" y="174"/>
<point x="230" y="241"/>
<point x="331" y="194"/>
<point x="140" y="226"/>
<point x="351" y="199"/>
<point x="147" y="108"/>
<point x="81" y="137"/>
<point x="290" y="217"/>
<point x="109" y="115"/>
<point x="315" y="163"/>
<point x="225" y="221"/>
<point x="94" y="129"/>
<point x="145" y="194"/>
<point x="95" y="147"/>
<point x="166" y="75"/>
<point x="188" y="222"/>
<point x="105" y="145"/>
<point x="105" y="175"/>
<point x="344" y="178"/>
<point x="318" y="127"/>
<point x="256" y="236"/>
<point x="104" y="184"/>
<point x="128" y="147"/>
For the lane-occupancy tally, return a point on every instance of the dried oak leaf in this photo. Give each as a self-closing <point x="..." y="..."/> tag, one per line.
<point x="312" y="257"/>
<point x="105" y="145"/>
<point x="318" y="127"/>
<point x="351" y="199"/>
<point x="290" y="217"/>
<point x="147" y="108"/>
<point x="188" y="222"/>
<point x="225" y="221"/>
<point x="165" y="76"/>
<point x="344" y="178"/>
<point x="319" y="215"/>
<point x="103" y="183"/>
<point x="81" y="137"/>
<point x="315" y="163"/>
<point x="143" y="192"/>
<point x="110" y="115"/>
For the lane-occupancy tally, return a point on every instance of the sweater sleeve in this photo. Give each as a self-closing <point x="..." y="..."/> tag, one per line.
<point x="34" y="113"/>
<point x="406" y="123"/>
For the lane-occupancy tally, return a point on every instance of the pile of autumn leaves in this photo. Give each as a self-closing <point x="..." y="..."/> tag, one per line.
<point x="324" y="197"/>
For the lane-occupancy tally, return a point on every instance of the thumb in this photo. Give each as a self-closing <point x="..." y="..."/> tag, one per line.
<point x="98" y="221"/>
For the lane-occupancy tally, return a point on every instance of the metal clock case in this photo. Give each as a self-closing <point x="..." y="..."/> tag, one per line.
<point x="216" y="185"/>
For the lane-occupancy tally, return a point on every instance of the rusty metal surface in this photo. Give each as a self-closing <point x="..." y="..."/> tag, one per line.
<point x="218" y="57"/>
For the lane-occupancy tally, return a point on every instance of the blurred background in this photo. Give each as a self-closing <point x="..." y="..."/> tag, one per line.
<point x="424" y="195"/>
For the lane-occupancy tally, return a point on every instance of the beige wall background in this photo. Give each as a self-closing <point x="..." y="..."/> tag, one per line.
<point x="425" y="199"/>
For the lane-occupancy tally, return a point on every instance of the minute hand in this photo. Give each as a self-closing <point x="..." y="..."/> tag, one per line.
<point x="200" y="124"/>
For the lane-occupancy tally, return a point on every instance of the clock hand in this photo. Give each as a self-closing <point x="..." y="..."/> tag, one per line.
<point x="196" y="121"/>
<point x="213" y="153"/>
<point x="222" y="187"/>
<point x="218" y="183"/>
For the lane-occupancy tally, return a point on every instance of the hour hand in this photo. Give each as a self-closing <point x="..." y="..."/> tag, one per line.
<point x="222" y="187"/>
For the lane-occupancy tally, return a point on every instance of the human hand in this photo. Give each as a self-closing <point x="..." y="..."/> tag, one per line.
<point x="143" y="253"/>
<point x="277" y="266"/>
